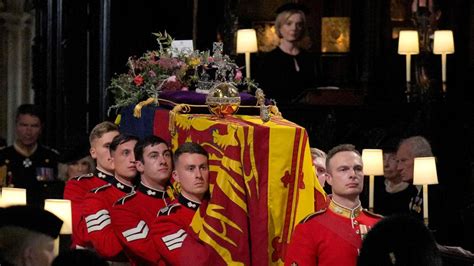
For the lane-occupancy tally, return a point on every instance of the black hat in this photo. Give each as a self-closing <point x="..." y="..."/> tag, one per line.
<point x="75" y="153"/>
<point x="292" y="6"/>
<point x="31" y="218"/>
<point x="389" y="144"/>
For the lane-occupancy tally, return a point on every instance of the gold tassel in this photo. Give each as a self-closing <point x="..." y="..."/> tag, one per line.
<point x="180" y="108"/>
<point x="274" y="110"/>
<point x="118" y="119"/>
<point x="137" y="111"/>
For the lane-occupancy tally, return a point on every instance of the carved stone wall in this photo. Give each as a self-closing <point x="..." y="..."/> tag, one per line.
<point x="16" y="31"/>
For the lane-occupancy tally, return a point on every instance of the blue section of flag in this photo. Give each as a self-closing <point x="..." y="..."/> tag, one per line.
<point x="140" y="127"/>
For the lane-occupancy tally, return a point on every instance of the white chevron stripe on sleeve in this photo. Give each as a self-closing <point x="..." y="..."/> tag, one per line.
<point x="174" y="241"/>
<point x="98" y="227"/>
<point x="96" y="215"/>
<point x="138" y="232"/>
<point x="97" y="221"/>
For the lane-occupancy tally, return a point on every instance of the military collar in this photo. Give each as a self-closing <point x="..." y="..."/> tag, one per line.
<point x="103" y="175"/>
<point x="188" y="203"/>
<point x="121" y="186"/>
<point x="155" y="193"/>
<point x="24" y="152"/>
<point x="344" y="211"/>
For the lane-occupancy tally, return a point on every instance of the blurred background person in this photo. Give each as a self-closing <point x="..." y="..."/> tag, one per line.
<point x="75" y="162"/>
<point x="392" y="194"/>
<point x="3" y="143"/>
<point x="29" y="164"/>
<point x="319" y="164"/>
<point x="288" y="69"/>
<point x="27" y="235"/>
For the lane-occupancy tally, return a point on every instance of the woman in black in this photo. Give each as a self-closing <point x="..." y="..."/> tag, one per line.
<point x="288" y="69"/>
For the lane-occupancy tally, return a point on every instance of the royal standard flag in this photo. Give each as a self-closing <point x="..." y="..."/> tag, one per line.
<point x="262" y="185"/>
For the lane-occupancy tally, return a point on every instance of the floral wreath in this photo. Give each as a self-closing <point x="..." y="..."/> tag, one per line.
<point x="170" y="69"/>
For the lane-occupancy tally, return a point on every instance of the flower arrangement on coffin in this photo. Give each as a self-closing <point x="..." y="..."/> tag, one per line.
<point x="168" y="69"/>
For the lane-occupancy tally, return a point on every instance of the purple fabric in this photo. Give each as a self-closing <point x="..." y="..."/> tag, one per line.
<point x="192" y="97"/>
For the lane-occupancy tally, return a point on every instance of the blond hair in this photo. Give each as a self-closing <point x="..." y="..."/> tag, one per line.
<point x="100" y="129"/>
<point x="317" y="153"/>
<point x="283" y="17"/>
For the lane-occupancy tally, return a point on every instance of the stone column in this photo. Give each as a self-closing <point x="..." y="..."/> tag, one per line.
<point x="15" y="77"/>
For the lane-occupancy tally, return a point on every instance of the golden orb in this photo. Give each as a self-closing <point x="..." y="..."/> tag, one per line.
<point x="223" y="99"/>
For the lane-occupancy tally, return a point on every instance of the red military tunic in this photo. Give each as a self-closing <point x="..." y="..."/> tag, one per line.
<point x="96" y="216"/>
<point x="75" y="191"/>
<point x="330" y="237"/>
<point x="132" y="217"/>
<point x="170" y="229"/>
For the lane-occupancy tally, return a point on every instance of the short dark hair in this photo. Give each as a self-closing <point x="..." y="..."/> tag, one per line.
<point x="340" y="148"/>
<point x="189" y="147"/>
<point x="147" y="141"/>
<point x="400" y="239"/>
<point x="28" y="109"/>
<point x="120" y="139"/>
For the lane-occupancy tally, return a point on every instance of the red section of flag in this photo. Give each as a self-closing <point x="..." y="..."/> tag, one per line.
<point x="253" y="222"/>
<point x="160" y="124"/>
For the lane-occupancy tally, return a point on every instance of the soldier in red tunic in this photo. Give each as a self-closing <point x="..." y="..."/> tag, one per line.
<point x="76" y="188"/>
<point x="334" y="236"/>
<point x="170" y="228"/>
<point x="133" y="214"/>
<point x="98" y="203"/>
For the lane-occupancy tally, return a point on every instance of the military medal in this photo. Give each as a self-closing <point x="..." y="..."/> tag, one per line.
<point x="27" y="162"/>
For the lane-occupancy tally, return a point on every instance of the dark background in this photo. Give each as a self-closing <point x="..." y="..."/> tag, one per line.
<point x="79" y="45"/>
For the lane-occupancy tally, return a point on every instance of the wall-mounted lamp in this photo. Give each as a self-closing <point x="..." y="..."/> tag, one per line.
<point x="424" y="173"/>
<point x="247" y="43"/>
<point x="13" y="196"/>
<point x="373" y="165"/>
<point x="408" y="45"/>
<point x="62" y="209"/>
<point x="443" y="45"/>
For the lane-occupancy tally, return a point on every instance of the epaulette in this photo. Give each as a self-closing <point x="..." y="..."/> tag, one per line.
<point x="168" y="209"/>
<point x="101" y="188"/>
<point x="312" y="215"/>
<point x="51" y="149"/>
<point x="86" y="176"/>
<point x="123" y="199"/>
<point x="373" y="214"/>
